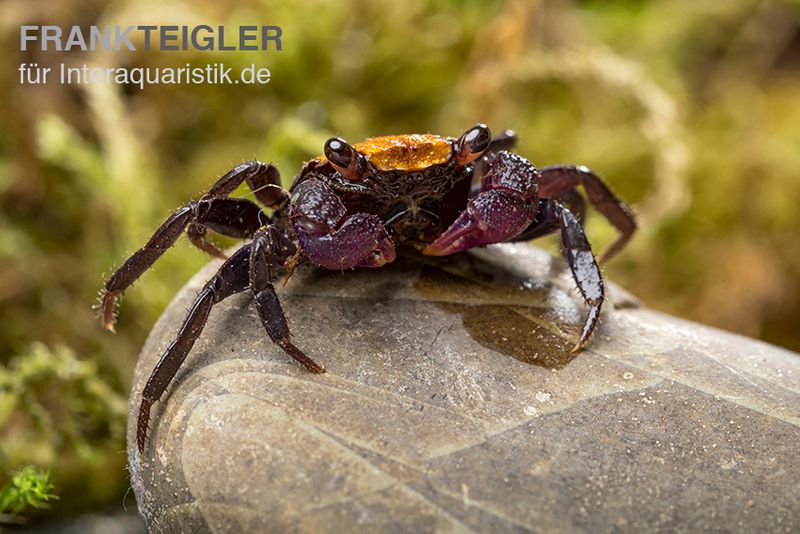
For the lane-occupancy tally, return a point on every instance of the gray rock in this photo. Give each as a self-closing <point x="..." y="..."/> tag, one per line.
<point x="452" y="403"/>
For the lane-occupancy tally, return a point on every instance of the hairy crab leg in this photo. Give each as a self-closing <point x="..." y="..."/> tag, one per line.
<point x="508" y="209"/>
<point x="269" y="249"/>
<point x="232" y="217"/>
<point x="253" y="266"/>
<point x="552" y="216"/>
<point x="263" y="179"/>
<point x="232" y="278"/>
<point x="558" y="179"/>
<point x="237" y="217"/>
<point x="584" y="269"/>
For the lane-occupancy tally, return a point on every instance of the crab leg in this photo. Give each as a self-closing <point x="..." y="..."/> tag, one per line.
<point x="553" y="215"/>
<point x="545" y="223"/>
<point x="228" y="216"/>
<point x="505" y="140"/>
<point x="270" y="248"/>
<point x="263" y="179"/>
<point x="558" y="179"/>
<point x="252" y="266"/>
<point x="232" y="217"/>
<point x="232" y="278"/>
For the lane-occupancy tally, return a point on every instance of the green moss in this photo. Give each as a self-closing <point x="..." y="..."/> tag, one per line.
<point x="29" y="488"/>
<point x="57" y="410"/>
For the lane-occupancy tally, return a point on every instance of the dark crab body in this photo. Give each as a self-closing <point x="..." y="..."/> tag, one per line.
<point x="410" y="182"/>
<point x="353" y="206"/>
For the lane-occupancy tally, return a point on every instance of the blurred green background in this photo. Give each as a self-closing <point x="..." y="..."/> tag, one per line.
<point x="690" y="109"/>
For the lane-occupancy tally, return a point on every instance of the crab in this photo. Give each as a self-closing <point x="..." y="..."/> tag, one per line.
<point x="353" y="207"/>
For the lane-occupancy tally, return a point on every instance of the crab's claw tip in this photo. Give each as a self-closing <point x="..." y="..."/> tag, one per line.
<point x="384" y="253"/>
<point x="431" y="250"/>
<point x="464" y="233"/>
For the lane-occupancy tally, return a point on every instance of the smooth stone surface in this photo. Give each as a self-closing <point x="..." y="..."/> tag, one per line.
<point x="451" y="403"/>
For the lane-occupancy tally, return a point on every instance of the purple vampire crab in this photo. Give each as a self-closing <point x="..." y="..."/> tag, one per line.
<point x="352" y="206"/>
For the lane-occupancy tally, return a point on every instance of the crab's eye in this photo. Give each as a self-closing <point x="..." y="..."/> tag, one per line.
<point x="472" y="144"/>
<point x="347" y="160"/>
<point x="339" y="152"/>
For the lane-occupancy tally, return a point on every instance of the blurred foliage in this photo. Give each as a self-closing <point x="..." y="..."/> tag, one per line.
<point x="28" y="488"/>
<point x="56" y="410"/>
<point x="690" y="109"/>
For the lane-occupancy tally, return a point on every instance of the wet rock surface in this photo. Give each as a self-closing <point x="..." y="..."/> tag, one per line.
<point x="452" y="403"/>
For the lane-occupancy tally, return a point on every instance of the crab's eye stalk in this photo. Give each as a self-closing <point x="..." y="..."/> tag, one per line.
<point x="472" y="144"/>
<point x="347" y="160"/>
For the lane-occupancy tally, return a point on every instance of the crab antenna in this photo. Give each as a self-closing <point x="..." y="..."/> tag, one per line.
<point x="472" y="144"/>
<point x="350" y="163"/>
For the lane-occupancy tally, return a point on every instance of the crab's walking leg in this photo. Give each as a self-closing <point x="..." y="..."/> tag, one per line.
<point x="232" y="217"/>
<point x="545" y="223"/>
<point x="557" y="180"/>
<point x="504" y="208"/>
<point x="270" y="249"/>
<point x="263" y="179"/>
<point x="584" y="268"/>
<point x="232" y="277"/>
<point x="505" y="140"/>
<point x="228" y="216"/>
<point x="552" y="216"/>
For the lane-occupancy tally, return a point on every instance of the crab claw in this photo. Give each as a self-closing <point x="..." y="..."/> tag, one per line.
<point x="384" y="253"/>
<point x="333" y="239"/>
<point x="491" y="217"/>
